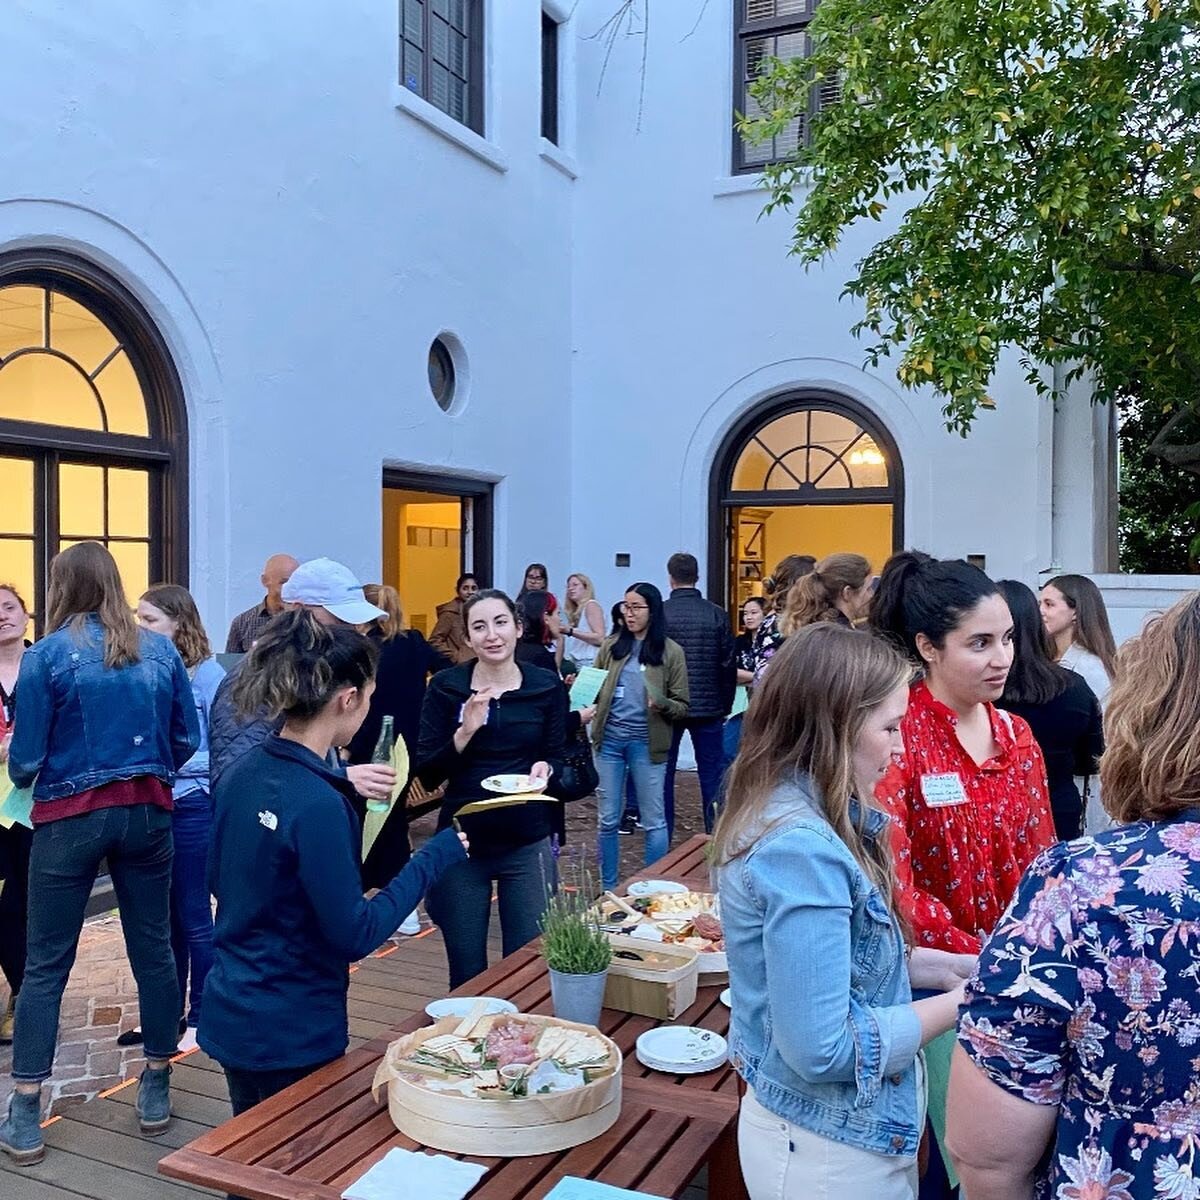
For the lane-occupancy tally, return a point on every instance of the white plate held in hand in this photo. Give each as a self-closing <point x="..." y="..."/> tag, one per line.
<point x="513" y="785"/>
<point x="681" y="1049"/>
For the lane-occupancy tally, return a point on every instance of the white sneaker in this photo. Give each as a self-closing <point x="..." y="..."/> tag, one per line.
<point x="411" y="925"/>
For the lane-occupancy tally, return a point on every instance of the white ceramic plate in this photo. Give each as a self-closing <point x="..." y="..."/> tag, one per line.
<point x="513" y="785"/>
<point x="714" y="963"/>
<point x="651" y="887"/>
<point x="460" y="1006"/>
<point x="681" y="1049"/>
<point x="726" y="997"/>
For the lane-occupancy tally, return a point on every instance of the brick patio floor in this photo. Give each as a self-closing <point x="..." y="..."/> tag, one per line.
<point x="101" y="998"/>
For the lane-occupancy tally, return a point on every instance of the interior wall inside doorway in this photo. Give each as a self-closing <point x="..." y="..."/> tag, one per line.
<point x="816" y="529"/>
<point x="422" y="551"/>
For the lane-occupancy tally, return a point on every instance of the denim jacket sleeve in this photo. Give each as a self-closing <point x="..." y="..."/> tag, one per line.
<point x="31" y="730"/>
<point x="820" y="1024"/>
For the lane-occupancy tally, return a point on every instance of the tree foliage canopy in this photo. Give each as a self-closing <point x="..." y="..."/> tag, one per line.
<point x="1047" y="157"/>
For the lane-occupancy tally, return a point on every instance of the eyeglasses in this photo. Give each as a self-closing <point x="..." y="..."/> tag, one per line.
<point x="632" y="608"/>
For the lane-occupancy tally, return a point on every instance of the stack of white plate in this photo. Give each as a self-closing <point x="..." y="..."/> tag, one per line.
<point x="681" y="1050"/>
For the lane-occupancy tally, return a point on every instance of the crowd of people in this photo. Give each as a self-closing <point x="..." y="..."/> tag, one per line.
<point x="897" y="815"/>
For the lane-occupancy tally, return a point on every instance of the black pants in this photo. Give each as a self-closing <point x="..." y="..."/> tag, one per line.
<point x="14" y="903"/>
<point x="63" y="864"/>
<point x="460" y="904"/>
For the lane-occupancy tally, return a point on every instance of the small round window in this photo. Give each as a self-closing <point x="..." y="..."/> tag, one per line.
<point x="441" y="374"/>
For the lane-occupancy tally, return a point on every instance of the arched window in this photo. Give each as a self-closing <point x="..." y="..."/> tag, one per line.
<point x="806" y="473"/>
<point x="92" y="427"/>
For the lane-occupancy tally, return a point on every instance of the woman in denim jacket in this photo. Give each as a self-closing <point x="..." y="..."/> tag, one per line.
<point x="107" y="718"/>
<point x="824" y="1029"/>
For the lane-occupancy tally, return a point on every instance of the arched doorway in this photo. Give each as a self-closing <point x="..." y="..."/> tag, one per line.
<point x="804" y="473"/>
<point x="93" y="437"/>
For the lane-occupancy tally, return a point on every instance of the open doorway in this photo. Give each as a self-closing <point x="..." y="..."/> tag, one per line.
<point x="434" y="529"/>
<point x="806" y="473"/>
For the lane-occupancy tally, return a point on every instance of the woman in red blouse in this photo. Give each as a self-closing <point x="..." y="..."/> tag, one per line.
<point x="968" y="797"/>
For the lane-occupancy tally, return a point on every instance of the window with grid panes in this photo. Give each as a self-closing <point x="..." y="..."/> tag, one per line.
<point x="441" y="56"/>
<point x="90" y="424"/>
<point x="763" y="30"/>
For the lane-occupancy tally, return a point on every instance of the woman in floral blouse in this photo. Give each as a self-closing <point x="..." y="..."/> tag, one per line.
<point x="767" y="637"/>
<point x="969" y="798"/>
<point x="1077" y="1075"/>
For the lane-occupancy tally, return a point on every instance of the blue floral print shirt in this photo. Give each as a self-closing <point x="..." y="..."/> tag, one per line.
<point x="1087" y="997"/>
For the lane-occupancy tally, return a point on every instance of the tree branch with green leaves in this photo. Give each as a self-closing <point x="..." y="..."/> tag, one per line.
<point x="1044" y="156"/>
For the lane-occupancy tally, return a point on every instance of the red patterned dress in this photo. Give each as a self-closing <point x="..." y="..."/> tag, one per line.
<point x="963" y="832"/>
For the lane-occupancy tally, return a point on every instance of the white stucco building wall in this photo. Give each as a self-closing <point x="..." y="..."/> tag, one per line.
<point x="300" y="228"/>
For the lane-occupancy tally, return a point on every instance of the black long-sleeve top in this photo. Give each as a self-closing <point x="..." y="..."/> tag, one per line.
<point x="405" y="663"/>
<point x="524" y="726"/>
<point x="1070" y="731"/>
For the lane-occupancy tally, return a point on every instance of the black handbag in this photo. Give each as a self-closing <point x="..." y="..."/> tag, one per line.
<point x="579" y="776"/>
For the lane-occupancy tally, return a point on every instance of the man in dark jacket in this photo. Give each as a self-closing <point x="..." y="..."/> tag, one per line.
<point x="704" y="632"/>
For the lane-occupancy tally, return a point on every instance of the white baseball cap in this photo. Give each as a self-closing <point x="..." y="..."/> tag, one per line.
<point x="323" y="583"/>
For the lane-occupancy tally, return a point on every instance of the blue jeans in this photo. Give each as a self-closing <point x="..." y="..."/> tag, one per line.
<point x="460" y="904"/>
<point x="708" y="742"/>
<point x="618" y="759"/>
<point x="191" y="904"/>
<point x="66" y="856"/>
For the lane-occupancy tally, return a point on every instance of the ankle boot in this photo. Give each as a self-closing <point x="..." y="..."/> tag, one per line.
<point x="154" y="1101"/>
<point x="21" y="1134"/>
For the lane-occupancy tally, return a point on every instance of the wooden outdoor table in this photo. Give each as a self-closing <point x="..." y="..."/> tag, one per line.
<point x="313" y="1140"/>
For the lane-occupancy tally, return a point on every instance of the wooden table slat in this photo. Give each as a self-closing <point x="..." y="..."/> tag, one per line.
<point x="311" y="1114"/>
<point x="277" y="1107"/>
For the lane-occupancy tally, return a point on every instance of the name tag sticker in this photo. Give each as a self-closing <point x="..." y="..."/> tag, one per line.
<point x="619" y="692"/>
<point x="943" y="791"/>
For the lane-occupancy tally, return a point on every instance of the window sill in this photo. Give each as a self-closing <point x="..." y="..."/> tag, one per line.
<point x="559" y="159"/>
<point x="452" y="130"/>
<point x="738" y="185"/>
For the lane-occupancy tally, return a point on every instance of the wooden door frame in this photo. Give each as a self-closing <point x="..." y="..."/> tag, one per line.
<point x="481" y="494"/>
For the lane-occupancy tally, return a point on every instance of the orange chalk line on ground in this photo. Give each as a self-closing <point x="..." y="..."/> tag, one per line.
<point x="112" y="1091"/>
<point x="185" y="1053"/>
<point x="50" y="1121"/>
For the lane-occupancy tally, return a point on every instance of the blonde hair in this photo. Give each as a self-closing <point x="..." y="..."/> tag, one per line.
<point x="1151" y="767"/>
<point x="813" y="597"/>
<point x="387" y="598"/>
<point x="190" y="638"/>
<point x="84" y="579"/>
<point x="573" y="610"/>
<point x="806" y="717"/>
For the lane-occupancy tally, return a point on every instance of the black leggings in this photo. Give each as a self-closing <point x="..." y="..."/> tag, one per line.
<point x="15" y="844"/>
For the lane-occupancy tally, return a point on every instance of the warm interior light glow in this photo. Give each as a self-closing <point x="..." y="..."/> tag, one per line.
<point x="870" y="456"/>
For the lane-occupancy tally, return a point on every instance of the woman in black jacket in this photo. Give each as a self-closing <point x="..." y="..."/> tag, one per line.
<point x="1062" y="710"/>
<point x="406" y="661"/>
<point x="291" y="915"/>
<point x="492" y="716"/>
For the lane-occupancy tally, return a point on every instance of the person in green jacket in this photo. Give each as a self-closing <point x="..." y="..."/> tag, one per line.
<point x="646" y="689"/>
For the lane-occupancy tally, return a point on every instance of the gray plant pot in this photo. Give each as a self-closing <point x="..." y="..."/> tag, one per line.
<point x="578" y="997"/>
